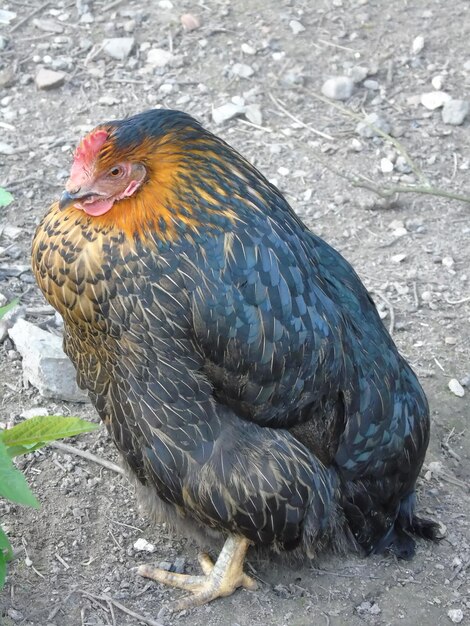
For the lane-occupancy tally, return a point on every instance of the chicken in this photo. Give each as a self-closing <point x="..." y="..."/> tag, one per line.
<point x="236" y="359"/>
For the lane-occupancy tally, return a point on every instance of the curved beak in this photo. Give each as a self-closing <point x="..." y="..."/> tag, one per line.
<point x="68" y="198"/>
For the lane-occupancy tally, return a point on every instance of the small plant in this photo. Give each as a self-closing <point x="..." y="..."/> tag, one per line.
<point x="5" y="197"/>
<point x="23" y="438"/>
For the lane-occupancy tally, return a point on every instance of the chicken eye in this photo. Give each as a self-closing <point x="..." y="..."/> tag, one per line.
<point x="115" y="172"/>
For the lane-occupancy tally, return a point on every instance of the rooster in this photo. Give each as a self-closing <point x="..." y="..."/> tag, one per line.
<point x="236" y="359"/>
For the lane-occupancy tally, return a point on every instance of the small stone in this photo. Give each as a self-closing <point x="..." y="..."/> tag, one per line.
<point x="417" y="45"/>
<point x="456" y="388"/>
<point x="190" y="22"/>
<point x="3" y="42"/>
<point x="108" y="100"/>
<point x="434" y="99"/>
<point x="450" y="341"/>
<point x="34" y="412"/>
<point x="398" y="258"/>
<point x="364" y="129"/>
<point x="6" y="16"/>
<point x="243" y="70"/>
<point x="386" y="166"/>
<point x="455" y="615"/>
<point x="142" y="545"/>
<point x="7" y="77"/>
<point x="247" y="49"/>
<point x="45" y="365"/>
<point x="437" y="82"/>
<point x="253" y="114"/>
<point x="455" y="112"/>
<point x="372" y="85"/>
<point x="49" y="79"/>
<point x="165" y="4"/>
<point x="118" y="48"/>
<point x="448" y="262"/>
<point x="358" y="73"/>
<point x="179" y="564"/>
<point x="283" y="171"/>
<point x="296" y="27"/>
<point x="158" y="57"/>
<point x="48" y="25"/>
<point x="338" y="88"/>
<point x="6" y="149"/>
<point x="227" y="112"/>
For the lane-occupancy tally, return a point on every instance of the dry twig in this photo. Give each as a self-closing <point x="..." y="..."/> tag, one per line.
<point x="88" y="455"/>
<point x="105" y="598"/>
<point x="283" y="109"/>
<point x="39" y="9"/>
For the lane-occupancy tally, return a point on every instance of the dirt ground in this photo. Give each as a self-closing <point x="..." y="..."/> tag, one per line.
<point x="414" y="256"/>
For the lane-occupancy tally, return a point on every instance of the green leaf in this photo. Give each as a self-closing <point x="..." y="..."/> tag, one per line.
<point x="3" y="570"/>
<point x="13" y="485"/>
<point x="4" y="309"/>
<point x="37" y="431"/>
<point x="5" y="546"/>
<point x="5" y="197"/>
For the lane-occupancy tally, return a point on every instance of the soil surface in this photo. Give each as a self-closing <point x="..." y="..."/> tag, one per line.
<point x="413" y="254"/>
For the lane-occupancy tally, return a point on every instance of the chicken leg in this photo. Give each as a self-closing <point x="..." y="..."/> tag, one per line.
<point x="220" y="579"/>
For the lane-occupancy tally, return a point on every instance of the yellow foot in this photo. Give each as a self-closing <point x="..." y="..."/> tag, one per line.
<point x="220" y="579"/>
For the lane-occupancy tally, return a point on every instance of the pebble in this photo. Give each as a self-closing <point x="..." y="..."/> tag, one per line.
<point x="6" y="149"/>
<point x="158" y="57"/>
<point x="434" y="99"/>
<point x="7" y="77"/>
<point x="448" y="262"/>
<point x="243" y="70"/>
<point x="142" y="545"/>
<point x="386" y="165"/>
<point x="48" y="26"/>
<point x="247" y="49"/>
<point x="358" y="73"/>
<point x="365" y="130"/>
<point x="253" y="114"/>
<point x="296" y="27"/>
<point x="118" y="48"/>
<point x="49" y="79"/>
<point x="398" y="258"/>
<point x="437" y="82"/>
<point x="338" y="88"/>
<point x="3" y="42"/>
<point x="45" y="365"/>
<point x="417" y="45"/>
<point x="227" y="112"/>
<point x="34" y="412"/>
<point x="190" y="22"/>
<point x="454" y="112"/>
<point x="455" y="615"/>
<point x="372" y="85"/>
<point x="456" y="388"/>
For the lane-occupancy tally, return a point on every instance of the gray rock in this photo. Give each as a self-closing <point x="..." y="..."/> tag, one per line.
<point x="227" y="112"/>
<point x="49" y="79"/>
<point x="434" y="99"/>
<point x="3" y="43"/>
<point x="338" y="88"/>
<point x="45" y="365"/>
<point x="118" y="48"/>
<point x="364" y="129"/>
<point x="454" y="112"/>
<point x="243" y="70"/>
<point x="158" y="57"/>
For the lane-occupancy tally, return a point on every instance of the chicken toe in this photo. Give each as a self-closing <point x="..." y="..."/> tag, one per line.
<point x="220" y="579"/>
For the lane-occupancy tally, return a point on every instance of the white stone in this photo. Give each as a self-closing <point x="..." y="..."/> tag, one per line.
<point x="45" y="365"/>
<point x="49" y="79"/>
<point x="448" y="262"/>
<point x="6" y="149"/>
<point x="386" y="165"/>
<point x="243" y="70"/>
<point x="158" y="57"/>
<point x="226" y="112"/>
<point x="437" y="82"/>
<point x="455" y="112"/>
<point x="338" y="88"/>
<point x="456" y="388"/>
<point x="142" y="545"/>
<point x="118" y="48"/>
<point x="247" y="49"/>
<point x="455" y="615"/>
<point x="34" y="412"/>
<point x="296" y="27"/>
<point x="418" y="44"/>
<point x="434" y="99"/>
<point x="253" y="114"/>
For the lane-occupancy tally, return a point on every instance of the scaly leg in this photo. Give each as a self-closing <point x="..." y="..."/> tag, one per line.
<point x="220" y="579"/>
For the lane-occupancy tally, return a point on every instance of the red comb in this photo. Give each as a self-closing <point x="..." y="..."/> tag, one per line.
<point x="85" y="155"/>
<point x="89" y="147"/>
